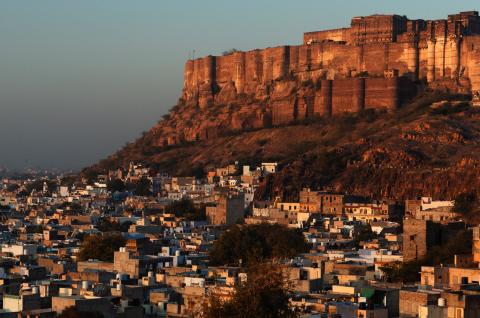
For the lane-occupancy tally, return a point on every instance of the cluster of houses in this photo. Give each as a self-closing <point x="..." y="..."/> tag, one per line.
<point x="163" y="268"/>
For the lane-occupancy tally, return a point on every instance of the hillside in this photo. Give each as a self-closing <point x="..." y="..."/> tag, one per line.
<point x="422" y="149"/>
<point x="345" y="110"/>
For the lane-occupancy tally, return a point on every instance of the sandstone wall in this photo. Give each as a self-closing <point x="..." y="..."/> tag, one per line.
<point x="470" y="61"/>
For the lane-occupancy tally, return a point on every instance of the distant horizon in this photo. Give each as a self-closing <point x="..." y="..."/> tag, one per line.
<point x="80" y="80"/>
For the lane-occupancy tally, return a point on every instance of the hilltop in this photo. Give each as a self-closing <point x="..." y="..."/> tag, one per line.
<point x="350" y="109"/>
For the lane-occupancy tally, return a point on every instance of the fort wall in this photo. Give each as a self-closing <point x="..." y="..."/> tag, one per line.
<point x="373" y="64"/>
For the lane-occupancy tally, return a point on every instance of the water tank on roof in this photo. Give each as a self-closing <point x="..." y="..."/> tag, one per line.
<point x="441" y="302"/>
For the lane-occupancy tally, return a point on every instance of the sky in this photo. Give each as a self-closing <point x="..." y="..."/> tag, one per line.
<point x="79" y="79"/>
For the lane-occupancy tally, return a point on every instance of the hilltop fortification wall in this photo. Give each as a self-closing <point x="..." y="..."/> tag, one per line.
<point x="373" y="64"/>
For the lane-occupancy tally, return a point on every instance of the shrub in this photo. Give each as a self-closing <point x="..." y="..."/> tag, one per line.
<point x="100" y="247"/>
<point x="265" y="293"/>
<point x="254" y="243"/>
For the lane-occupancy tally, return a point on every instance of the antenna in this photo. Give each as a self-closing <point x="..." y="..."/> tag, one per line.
<point x="193" y="55"/>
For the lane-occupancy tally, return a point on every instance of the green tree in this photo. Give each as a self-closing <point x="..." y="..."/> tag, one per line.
<point x="143" y="187"/>
<point x="105" y="225"/>
<point x="115" y="185"/>
<point x="254" y="243"/>
<point x="408" y="272"/>
<point x="465" y="203"/>
<point x="186" y="208"/>
<point x="265" y="294"/>
<point x="12" y="187"/>
<point x="364" y="234"/>
<point x="100" y="247"/>
<point x="72" y="312"/>
<point x="37" y="185"/>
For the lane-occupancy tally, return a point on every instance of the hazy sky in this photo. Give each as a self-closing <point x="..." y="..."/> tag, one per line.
<point x="78" y="79"/>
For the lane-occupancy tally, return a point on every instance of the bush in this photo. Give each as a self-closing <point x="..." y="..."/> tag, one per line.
<point x="465" y="203"/>
<point x="143" y="187"/>
<point x="72" y="312"/>
<point x="115" y="185"/>
<point x="105" y="225"/>
<point x="187" y="209"/>
<point x="255" y="243"/>
<point x="265" y="293"/>
<point x="230" y="51"/>
<point x="100" y="247"/>
<point x="408" y="272"/>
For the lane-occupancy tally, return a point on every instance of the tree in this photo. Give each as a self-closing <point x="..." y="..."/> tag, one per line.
<point x="230" y="51"/>
<point x="408" y="272"/>
<point x="72" y="312"/>
<point x="100" y="247"/>
<point x="115" y="185"/>
<point x="143" y="187"/>
<point x="465" y="203"/>
<point x="186" y="208"/>
<point x="254" y="243"/>
<point x="105" y="225"/>
<point x="12" y="187"/>
<point x="265" y="293"/>
<point x="364" y="234"/>
<point x="37" y="185"/>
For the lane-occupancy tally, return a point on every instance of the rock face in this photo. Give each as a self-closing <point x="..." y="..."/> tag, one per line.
<point x="373" y="64"/>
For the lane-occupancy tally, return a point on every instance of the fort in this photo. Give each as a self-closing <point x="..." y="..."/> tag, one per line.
<point x="378" y="62"/>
